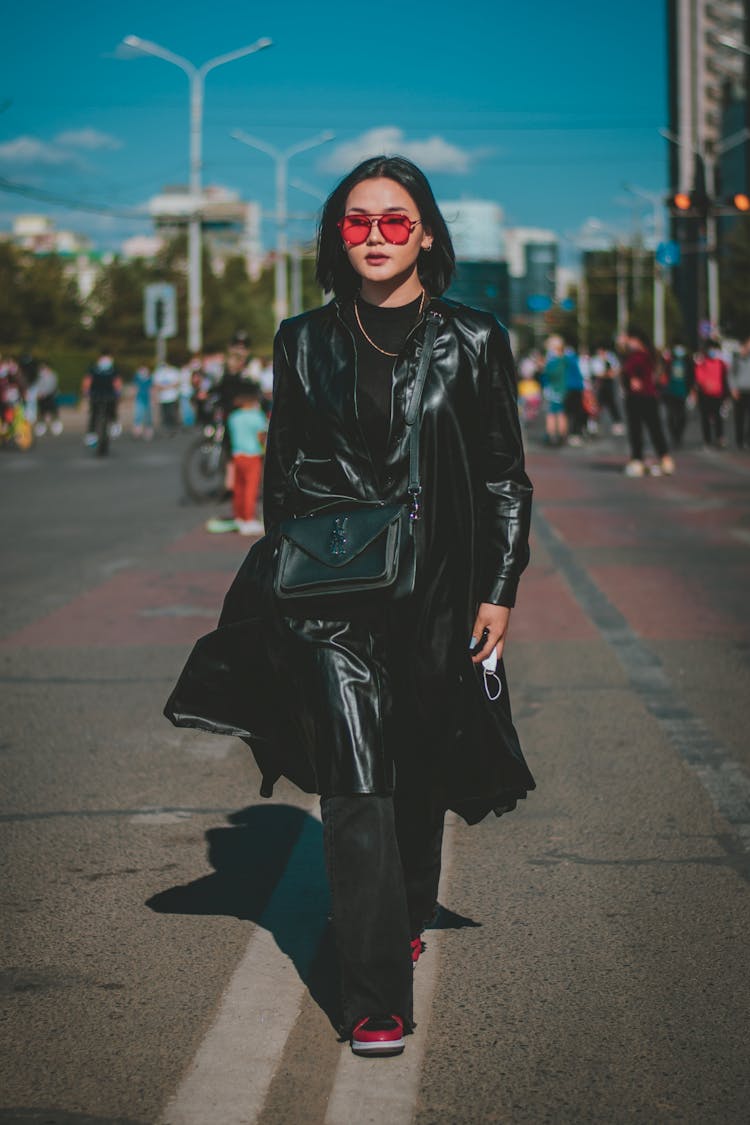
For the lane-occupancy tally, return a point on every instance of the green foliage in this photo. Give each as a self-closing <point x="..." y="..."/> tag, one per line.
<point x="41" y="312"/>
<point x="39" y="303"/>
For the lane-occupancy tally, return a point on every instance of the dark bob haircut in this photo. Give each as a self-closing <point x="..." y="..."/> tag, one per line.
<point x="333" y="270"/>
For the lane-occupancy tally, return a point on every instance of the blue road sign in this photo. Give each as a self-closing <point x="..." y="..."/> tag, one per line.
<point x="668" y="253"/>
<point x="538" y="302"/>
<point x="568" y="304"/>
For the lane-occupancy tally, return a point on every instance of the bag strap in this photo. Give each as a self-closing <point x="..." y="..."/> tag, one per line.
<point x="434" y="321"/>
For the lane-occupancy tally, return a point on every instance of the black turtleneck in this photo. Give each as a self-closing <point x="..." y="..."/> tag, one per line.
<point x="388" y="328"/>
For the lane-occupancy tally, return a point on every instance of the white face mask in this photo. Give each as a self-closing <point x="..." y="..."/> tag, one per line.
<point x="492" y="682"/>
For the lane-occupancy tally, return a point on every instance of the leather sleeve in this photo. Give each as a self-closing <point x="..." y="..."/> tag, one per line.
<point x="505" y="514"/>
<point x="281" y="442"/>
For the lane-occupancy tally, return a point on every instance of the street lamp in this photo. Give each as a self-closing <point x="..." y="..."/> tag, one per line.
<point x="281" y="159"/>
<point x="196" y="76"/>
<point x="657" y="203"/>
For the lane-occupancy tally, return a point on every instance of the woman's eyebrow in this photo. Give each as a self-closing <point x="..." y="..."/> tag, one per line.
<point x="389" y="210"/>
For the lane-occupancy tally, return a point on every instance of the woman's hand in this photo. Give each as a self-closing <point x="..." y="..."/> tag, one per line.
<point x="494" y="619"/>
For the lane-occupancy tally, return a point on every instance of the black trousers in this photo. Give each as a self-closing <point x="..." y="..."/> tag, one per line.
<point x="575" y="412"/>
<point x="607" y="398"/>
<point x="742" y="420"/>
<point x="712" y="423"/>
<point x="383" y="860"/>
<point x="676" y="418"/>
<point x="641" y="410"/>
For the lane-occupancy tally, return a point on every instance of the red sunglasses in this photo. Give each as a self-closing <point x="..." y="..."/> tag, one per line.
<point x="396" y="229"/>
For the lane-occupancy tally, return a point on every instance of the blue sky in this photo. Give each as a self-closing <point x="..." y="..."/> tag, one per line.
<point x="545" y="108"/>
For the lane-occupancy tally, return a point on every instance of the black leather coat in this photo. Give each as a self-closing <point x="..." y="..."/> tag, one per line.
<point x="336" y="705"/>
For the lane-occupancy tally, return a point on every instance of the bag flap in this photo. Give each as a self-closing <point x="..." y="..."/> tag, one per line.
<point x="335" y="538"/>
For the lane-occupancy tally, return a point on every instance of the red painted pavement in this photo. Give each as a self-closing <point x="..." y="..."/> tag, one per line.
<point x="133" y="608"/>
<point x="661" y="604"/>
<point x="547" y="611"/>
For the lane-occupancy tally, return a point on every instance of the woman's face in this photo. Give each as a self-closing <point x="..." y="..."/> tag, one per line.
<point x="376" y="259"/>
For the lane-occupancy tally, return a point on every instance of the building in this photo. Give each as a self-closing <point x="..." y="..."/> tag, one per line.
<point x="532" y="264"/>
<point x="481" y="280"/>
<point x="39" y="235"/>
<point x="709" y="129"/>
<point x="231" y="226"/>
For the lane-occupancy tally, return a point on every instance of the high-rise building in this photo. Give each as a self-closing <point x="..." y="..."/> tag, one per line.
<point x="709" y="123"/>
<point x="476" y="229"/>
<point x="532" y="264"/>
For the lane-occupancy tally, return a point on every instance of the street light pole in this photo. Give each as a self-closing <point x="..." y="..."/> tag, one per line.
<point x="660" y="332"/>
<point x="281" y="286"/>
<point x="196" y="77"/>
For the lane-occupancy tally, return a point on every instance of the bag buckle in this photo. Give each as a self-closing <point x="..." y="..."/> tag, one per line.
<point x="415" y="509"/>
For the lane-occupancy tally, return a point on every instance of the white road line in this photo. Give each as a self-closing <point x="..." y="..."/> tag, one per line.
<point x="370" y="1091"/>
<point x="228" y="1080"/>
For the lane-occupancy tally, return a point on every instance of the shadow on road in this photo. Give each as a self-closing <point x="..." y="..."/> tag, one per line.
<point x="261" y="875"/>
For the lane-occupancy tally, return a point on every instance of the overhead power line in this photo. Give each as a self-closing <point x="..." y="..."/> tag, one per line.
<point x="30" y="192"/>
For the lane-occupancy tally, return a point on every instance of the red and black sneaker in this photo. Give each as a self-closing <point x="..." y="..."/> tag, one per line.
<point x="417" y="949"/>
<point x="378" y="1036"/>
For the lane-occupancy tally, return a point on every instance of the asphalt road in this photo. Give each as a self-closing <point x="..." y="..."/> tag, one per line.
<point x="164" y="956"/>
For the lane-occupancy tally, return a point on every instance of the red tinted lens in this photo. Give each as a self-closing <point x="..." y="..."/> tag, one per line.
<point x="355" y="229"/>
<point x="395" y="228"/>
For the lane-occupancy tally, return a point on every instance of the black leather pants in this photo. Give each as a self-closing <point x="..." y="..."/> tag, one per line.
<point x="383" y="861"/>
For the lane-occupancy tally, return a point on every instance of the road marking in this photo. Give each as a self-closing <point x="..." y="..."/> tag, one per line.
<point x="741" y="533"/>
<point x="725" y="781"/>
<point x="369" y="1092"/>
<point x="228" y="1079"/>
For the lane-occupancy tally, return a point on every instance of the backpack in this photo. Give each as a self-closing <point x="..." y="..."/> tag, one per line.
<point x="709" y="376"/>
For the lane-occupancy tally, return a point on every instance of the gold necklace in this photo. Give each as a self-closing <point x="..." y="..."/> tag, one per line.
<point x="372" y="343"/>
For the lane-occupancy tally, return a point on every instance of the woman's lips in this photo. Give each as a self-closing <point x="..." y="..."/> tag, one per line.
<point x="376" y="259"/>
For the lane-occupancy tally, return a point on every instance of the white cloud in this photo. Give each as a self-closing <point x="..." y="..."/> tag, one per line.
<point x="434" y="154"/>
<point x="30" y="151"/>
<point x="87" y="138"/>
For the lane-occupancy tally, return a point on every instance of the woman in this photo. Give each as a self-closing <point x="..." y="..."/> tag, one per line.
<point x="638" y="376"/>
<point x="382" y="709"/>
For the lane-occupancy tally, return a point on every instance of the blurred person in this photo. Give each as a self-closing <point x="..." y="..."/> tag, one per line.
<point x="712" y="388"/>
<point x="554" y="383"/>
<point x="265" y="382"/>
<point x="167" y="385"/>
<point x="143" y="421"/>
<point x="604" y="371"/>
<point x="187" y="387"/>
<point x="638" y="374"/>
<point x="676" y="385"/>
<point x="247" y="426"/>
<point x="382" y="706"/>
<point x="739" y="385"/>
<point x="573" y="401"/>
<point x="102" y="383"/>
<point x="47" y="409"/>
<point x="529" y="388"/>
<point x="235" y="379"/>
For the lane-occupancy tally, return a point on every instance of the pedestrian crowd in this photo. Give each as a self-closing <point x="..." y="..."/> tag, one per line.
<point x="642" y="392"/>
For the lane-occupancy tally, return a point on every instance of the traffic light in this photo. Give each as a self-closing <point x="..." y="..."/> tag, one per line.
<point x="687" y="204"/>
<point x="740" y="201"/>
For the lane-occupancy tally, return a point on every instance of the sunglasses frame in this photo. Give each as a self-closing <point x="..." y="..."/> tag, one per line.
<point x="378" y="219"/>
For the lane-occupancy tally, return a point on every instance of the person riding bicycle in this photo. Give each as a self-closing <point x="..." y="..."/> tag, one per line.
<point x="235" y="381"/>
<point x="102" y="384"/>
<point x="235" y="377"/>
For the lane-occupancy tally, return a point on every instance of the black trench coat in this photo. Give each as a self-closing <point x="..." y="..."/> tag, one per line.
<point x="332" y="705"/>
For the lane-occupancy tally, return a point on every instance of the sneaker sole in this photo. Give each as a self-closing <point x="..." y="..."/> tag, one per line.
<point x="394" y="1048"/>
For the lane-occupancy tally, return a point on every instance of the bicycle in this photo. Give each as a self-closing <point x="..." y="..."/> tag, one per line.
<point x="16" y="431"/>
<point x="204" y="461"/>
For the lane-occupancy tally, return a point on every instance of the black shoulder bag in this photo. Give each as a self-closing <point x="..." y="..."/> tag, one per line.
<point x="358" y="551"/>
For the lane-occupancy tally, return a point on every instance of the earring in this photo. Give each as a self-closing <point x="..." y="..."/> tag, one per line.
<point x="427" y="248"/>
